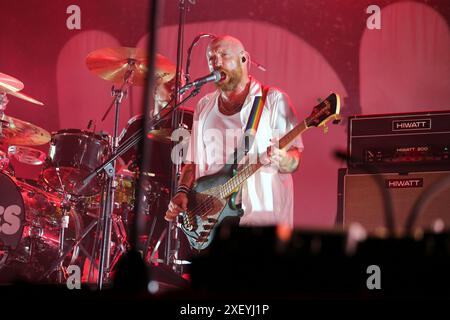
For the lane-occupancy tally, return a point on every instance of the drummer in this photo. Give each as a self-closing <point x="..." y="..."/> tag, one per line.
<point x="164" y="90"/>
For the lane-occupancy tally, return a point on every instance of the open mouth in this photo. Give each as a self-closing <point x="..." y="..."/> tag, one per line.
<point x="224" y="76"/>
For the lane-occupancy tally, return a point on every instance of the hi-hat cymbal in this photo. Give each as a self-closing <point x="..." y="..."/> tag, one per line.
<point x="12" y="86"/>
<point x="112" y="64"/>
<point x="18" y="132"/>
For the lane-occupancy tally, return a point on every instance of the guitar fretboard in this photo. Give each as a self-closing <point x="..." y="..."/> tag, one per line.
<point x="249" y="169"/>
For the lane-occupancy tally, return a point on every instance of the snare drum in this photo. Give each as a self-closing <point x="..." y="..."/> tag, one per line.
<point x="125" y="190"/>
<point x="124" y="196"/>
<point x="73" y="155"/>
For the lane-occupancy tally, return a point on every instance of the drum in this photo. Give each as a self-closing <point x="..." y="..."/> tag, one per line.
<point x="124" y="198"/>
<point x="159" y="140"/>
<point x="125" y="190"/>
<point x="30" y="228"/>
<point x="72" y="156"/>
<point x="12" y="213"/>
<point x="5" y="164"/>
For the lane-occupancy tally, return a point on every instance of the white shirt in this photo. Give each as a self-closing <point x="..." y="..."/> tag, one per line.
<point x="268" y="195"/>
<point x="222" y="134"/>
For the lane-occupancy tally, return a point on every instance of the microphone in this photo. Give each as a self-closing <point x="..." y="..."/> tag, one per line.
<point x="215" y="76"/>
<point x="193" y="44"/>
<point x="258" y="65"/>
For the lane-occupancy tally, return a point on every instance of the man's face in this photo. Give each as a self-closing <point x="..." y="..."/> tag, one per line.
<point x="163" y="93"/>
<point x="225" y="57"/>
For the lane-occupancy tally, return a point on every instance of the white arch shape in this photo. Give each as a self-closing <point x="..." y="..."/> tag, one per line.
<point x="300" y="70"/>
<point x="405" y="66"/>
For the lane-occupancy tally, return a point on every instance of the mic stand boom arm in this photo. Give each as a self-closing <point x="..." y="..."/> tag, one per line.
<point x="133" y="140"/>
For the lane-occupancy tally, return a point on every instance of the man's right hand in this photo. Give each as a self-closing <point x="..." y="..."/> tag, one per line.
<point x="178" y="204"/>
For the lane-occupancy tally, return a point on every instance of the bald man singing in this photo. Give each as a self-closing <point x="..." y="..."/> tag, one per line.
<point x="220" y="119"/>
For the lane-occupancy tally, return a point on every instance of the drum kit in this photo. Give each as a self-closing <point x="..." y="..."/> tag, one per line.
<point x="55" y="221"/>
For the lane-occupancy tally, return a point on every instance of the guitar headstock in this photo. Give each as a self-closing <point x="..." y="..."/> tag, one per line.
<point x="325" y="111"/>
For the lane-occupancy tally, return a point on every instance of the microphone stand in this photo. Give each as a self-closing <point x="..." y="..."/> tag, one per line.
<point x="172" y="240"/>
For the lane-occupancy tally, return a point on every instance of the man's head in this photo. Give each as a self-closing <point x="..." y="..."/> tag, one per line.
<point x="164" y="90"/>
<point x="227" y="54"/>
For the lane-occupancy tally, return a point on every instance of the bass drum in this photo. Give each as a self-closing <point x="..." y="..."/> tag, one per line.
<point x="74" y="154"/>
<point x="30" y="233"/>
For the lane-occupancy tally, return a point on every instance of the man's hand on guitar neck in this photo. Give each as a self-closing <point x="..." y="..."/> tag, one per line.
<point x="286" y="161"/>
<point x="179" y="202"/>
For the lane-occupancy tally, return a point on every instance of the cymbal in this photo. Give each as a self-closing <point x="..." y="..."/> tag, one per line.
<point x="19" y="132"/>
<point x="27" y="155"/>
<point x="25" y="97"/>
<point x="164" y="69"/>
<point x="12" y="86"/>
<point x="161" y="135"/>
<point x="9" y="84"/>
<point x="112" y="64"/>
<point x="165" y="134"/>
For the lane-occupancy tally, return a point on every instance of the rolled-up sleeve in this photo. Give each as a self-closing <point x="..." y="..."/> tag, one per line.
<point x="283" y="118"/>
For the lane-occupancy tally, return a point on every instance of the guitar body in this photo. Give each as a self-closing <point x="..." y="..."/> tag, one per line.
<point x="206" y="209"/>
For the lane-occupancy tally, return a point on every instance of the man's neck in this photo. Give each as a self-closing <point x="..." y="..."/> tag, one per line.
<point x="238" y="93"/>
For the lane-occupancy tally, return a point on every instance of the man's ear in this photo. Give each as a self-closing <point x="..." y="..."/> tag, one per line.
<point x="245" y="58"/>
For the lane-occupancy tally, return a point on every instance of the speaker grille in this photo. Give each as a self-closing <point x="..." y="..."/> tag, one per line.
<point x="364" y="203"/>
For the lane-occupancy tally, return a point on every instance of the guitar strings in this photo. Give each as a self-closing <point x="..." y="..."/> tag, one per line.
<point x="218" y="195"/>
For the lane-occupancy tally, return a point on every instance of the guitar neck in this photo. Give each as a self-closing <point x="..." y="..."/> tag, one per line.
<point x="228" y="188"/>
<point x="291" y="135"/>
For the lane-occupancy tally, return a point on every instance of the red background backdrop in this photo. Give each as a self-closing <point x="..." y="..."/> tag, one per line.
<point x="309" y="48"/>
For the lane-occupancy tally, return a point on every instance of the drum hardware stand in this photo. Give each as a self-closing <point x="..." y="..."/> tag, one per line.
<point x="108" y="204"/>
<point x="155" y="249"/>
<point x="3" y="258"/>
<point x="3" y="102"/>
<point x="64" y="225"/>
<point x="94" y="254"/>
<point x="122" y="245"/>
<point x="76" y="243"/>
<point x="149" y="238"/>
